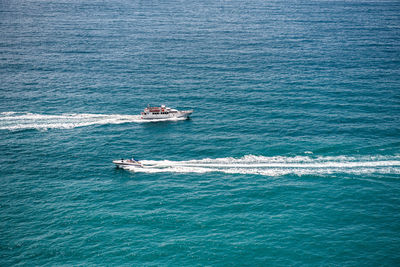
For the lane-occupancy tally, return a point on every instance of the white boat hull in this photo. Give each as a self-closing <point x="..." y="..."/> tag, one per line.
<point x="178" y="115"/>
<point x="164" y="113"/>
<point x="127" y="163"/>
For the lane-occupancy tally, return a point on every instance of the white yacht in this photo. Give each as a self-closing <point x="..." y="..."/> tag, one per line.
<point x="163" y="112"/>
<point x="127" y="162"/>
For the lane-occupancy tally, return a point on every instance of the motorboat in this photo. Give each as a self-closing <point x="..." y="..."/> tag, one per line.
<point x="163" y="112"/>
<point x="127" y="163"/>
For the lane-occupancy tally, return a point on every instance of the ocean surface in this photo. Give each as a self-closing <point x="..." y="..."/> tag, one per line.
<point x="291" y="157"/>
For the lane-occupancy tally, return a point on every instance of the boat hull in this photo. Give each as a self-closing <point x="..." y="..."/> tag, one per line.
<point x="176" y="115"/>
<point x="127" y="163"/>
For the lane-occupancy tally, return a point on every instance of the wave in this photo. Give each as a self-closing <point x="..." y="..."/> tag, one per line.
<point x="14" y="121"/>
<point x="278" y="166"/>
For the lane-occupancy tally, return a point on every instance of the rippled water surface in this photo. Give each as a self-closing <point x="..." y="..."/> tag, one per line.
<point x="291" y="156"/>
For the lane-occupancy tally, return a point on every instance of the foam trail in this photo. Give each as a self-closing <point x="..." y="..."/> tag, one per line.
<point x="277" y="166"/>
<point x="21" y="121"/>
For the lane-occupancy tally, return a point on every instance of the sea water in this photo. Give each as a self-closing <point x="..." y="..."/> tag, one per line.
<point x="291" y="156"/>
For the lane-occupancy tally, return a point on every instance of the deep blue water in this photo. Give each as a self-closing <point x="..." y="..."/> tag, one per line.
<point x="290" y="158"/>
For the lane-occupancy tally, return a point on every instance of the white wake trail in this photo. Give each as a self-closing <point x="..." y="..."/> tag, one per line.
<point x="277" y="166"/>
<point x="21" y="121"/>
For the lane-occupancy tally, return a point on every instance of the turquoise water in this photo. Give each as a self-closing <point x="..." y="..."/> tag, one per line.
<point x="290" y="158"/>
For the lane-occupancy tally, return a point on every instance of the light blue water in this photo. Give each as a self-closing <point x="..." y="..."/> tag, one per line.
<point x="290" y="158"/>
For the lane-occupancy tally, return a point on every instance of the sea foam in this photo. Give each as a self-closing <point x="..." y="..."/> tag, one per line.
<point x="15" y="121"/>
<point x="278" y="165"/>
